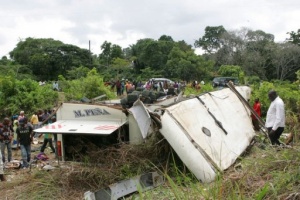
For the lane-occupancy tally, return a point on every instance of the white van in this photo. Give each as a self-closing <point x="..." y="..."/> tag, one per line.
<point x="161" y="80"/>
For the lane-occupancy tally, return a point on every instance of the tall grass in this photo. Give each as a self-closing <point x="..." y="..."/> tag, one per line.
<point x="263" y="172"/>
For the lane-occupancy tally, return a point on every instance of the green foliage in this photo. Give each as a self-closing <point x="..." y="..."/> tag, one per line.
<point x="156" y="55"/>
<point x="7" y="86"/>
<point x="166" y="38"/>
<point x="298" y="75"/>
<point x="47" y="58"/>
<point x="109" y="53"/>
<point x="90" y="86"/>
<point x="17" y="71"/>
<point x="230" y="70"/>
<point x="188" y="90"/>
<point x="186" y="65"/>
<point x="211" y="41"/>
<point x="77" y="73"/>
<point x="24" y="95"/>
<point x="255" y="80"/>
<point x="253" y="50"/>
<point x="294" y="37"/>
<point x="289" y="93"/>
<point x="119" y="68"/>
<point x="148" y="73"/>
<point x="262" y="193"/>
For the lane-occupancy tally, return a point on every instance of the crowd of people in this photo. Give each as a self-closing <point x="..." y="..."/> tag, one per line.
<point x="125" y="86"/>
<point x="19" y="131"/>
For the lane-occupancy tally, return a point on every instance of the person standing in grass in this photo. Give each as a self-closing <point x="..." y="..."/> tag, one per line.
<point x="257" y="109"/>
<point x="34" y="120"/>
<point x="47" y="139"/>
<point x="6" y="136"/>
<point x="275" y="121"/>
<point x="25" y="135"/>
<point x="15" y="126"/>
<point x="119" y="87"/>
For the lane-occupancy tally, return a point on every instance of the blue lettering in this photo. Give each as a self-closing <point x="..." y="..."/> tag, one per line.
<point x="78" y="114"/>
<point x="90" y="112"/>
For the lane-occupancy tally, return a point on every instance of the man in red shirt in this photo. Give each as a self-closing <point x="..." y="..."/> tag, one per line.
<point x="257" y="109"/>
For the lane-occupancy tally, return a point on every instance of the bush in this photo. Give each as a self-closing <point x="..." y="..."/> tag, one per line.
<point x="24" y="95"/>
<point x="90" y="86"/>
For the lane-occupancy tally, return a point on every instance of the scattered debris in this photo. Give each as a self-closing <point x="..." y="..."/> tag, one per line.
<point x="115" y="191"/>
<point x="14" y="164"/>
<point x="48" y="167"/>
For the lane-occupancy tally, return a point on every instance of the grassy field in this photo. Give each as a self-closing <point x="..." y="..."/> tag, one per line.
<point x="263" y="172"/>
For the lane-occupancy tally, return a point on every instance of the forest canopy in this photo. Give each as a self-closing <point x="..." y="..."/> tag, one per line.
<point x="254" y="51"/>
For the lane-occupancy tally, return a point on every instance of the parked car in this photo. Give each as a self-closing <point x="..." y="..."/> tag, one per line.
<point x="222" y="81"/>
<point x="157" y="80"/>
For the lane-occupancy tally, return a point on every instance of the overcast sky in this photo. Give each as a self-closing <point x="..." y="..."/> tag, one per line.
<point x="123" y="22"/>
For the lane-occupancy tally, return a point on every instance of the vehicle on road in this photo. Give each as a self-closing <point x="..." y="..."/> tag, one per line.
<point x="222" y="81"/>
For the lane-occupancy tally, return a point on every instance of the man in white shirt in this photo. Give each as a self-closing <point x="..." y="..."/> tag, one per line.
<point x="275" y="121"/>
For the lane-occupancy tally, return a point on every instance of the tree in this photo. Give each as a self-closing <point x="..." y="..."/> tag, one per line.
<point x="47" y="58"/>
<point x="77" y="73"/>
<point x="26" y="95"/>
<point x="105" y="54"/>
<point x="166" y="38"/>
<point x="294" y="37"/>
<point x="286" y="60"/>
<point x="252" y="50"/>
<point x="173" y="64"/>
<point x="90" y="86"/>
<point x="109" y="52"/>
<point x="120" y="66"/>
<point x="230" y="70"/>
<point x="187" y="65"/>
<point x="212" y="39"/>
<point x="148" y="73"/>
<point x="148" y="52"/>
<point x="4" y="60"/>
<point x="17" y="71"/>
<point x="116" y="52"/>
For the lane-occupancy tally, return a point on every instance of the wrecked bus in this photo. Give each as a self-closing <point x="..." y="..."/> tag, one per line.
<point x="208" y="132"/>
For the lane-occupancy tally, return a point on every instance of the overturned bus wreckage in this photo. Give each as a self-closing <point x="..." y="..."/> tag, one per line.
<point x="208" y="132"/>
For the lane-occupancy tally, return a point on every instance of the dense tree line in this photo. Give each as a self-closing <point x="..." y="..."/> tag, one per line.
<point x="255" y="52"/>
<point x="249" y="55"/>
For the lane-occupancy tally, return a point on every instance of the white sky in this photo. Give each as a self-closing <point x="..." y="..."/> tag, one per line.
<point x="123" y="22"/>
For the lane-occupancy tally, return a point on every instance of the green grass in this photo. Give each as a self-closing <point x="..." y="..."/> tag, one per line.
<point x="263" y="172"/>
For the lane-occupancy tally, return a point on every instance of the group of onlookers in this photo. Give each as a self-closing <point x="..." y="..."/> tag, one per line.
<point x="20" y="131"/>
<point x="127" y="86"/>
<point x="164" y="86"/>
